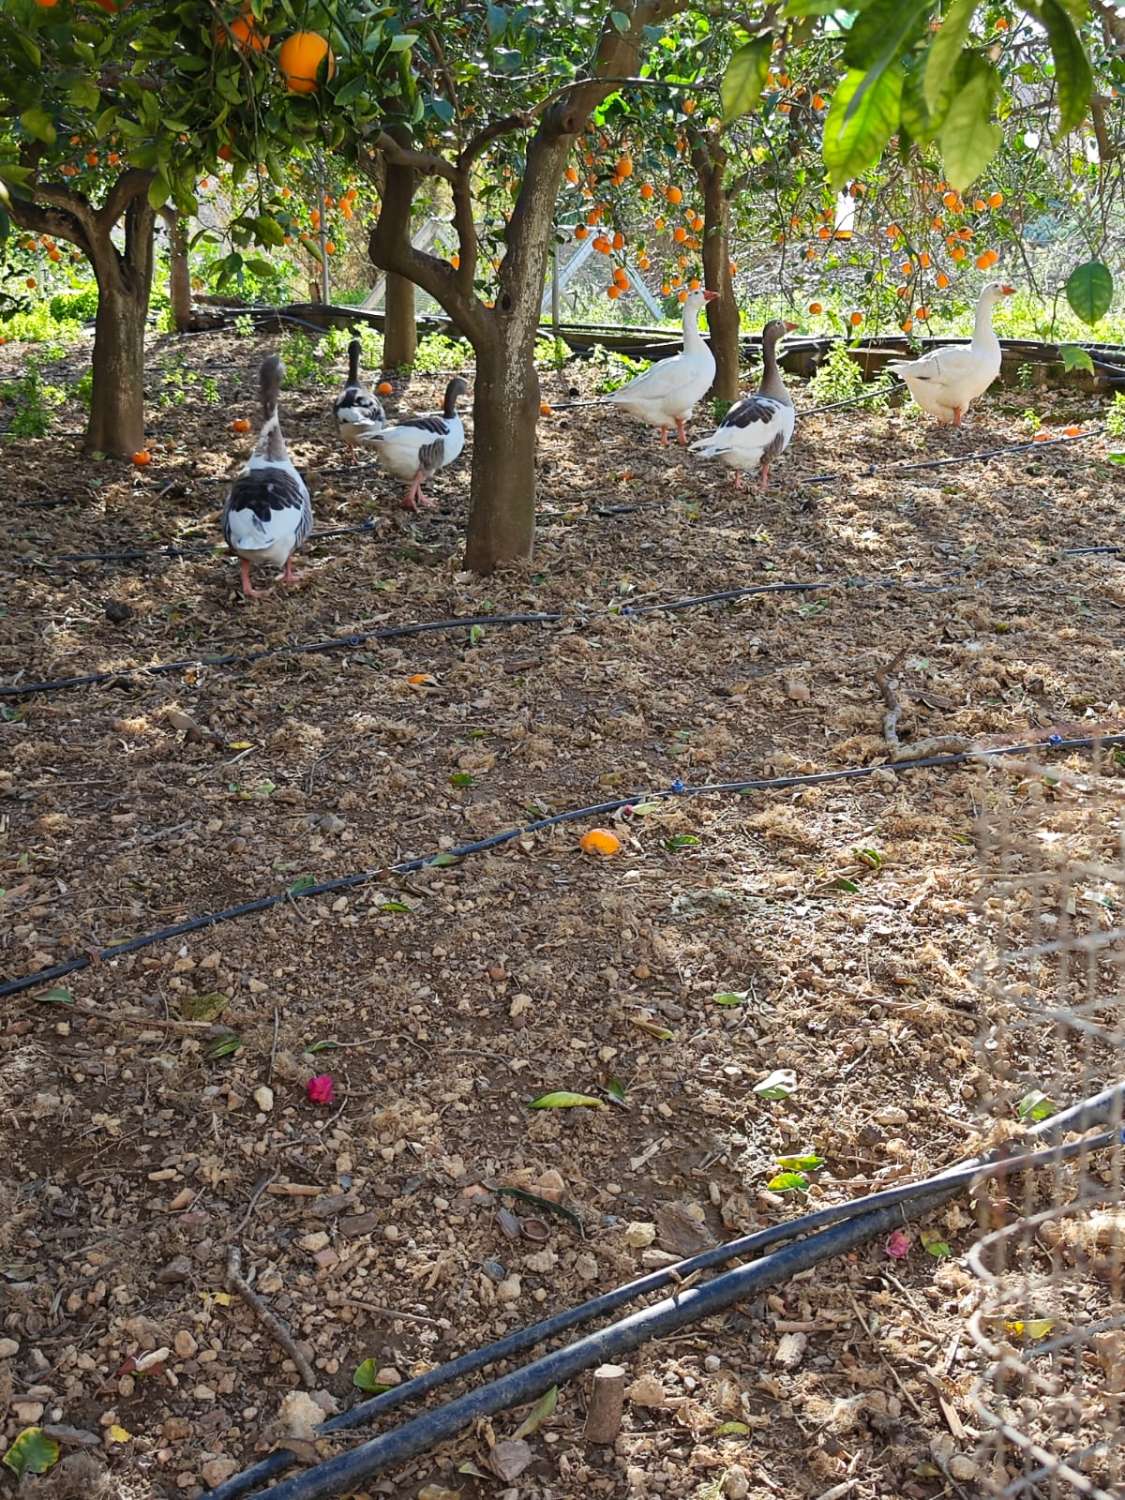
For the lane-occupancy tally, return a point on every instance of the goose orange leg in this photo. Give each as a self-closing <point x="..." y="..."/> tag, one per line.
<point x="957" y="415"/>
<point x="288" y="577"/>
<point x="247" y="587"/>
<point x="663" y="437"/>
<point x="681" y="432"/>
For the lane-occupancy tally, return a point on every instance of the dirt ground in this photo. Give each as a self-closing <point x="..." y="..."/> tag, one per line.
<point x="844" y="918"/>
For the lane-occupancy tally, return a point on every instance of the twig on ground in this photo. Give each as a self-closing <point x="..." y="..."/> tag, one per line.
<point x="273" y="1046"/>
<point x="395" y="1312"/>
<point x="886" y="679"/>
<point x="269" y="1321"/>
<point x="260" y="1187"/>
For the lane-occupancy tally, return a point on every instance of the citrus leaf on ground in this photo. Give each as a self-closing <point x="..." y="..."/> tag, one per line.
<point x="442" y="861"/>
<point x="939" y="1249"/>
<point x="225" y="1046"/>
<point x="804" y="1162"/>
<point x="543" y="1408"/>
<point x="661" y="1033"/>
<point x="204" y="1007"/>
<point x="302" y="883"/>
<point x="778" y="1085"/>
<point x="33" y="1452"/>
<point x="1035" y="1106"/>
<point x="788" y="1182"/>
<point x="732" y="1429"/>
<point x="730" y="998"/>
<point x="562" y="1099"/>
<point x="615" y="1090"/>
<point x="325" y="1046"/>
<point x="363" y="1378"/>
<point x="56" y="997"/>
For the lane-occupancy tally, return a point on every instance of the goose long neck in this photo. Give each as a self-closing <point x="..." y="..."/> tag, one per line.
<point x="983" y="331"/>
<point x="693" y="339"/>
<point x="771" y="382"/>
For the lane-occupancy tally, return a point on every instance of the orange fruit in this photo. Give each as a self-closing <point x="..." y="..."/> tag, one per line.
<point x="599" y="841"/>
<point x="571" y="174"/>
<point x="658" y="223"/>
<point x="816" y="307"/>
<point x="924" y="260"/>
<point x="142" y="457"/>
<point x="906" y="325"/>
<point x="996" y="200"/>
<point x="613" y="292"/>
<point x="224" y="153"/>
<point x="942" y="280"/>
<point x="602" y="245"/>
<point x="301" y="58"/>
<point x="902" y="291"/>
<point x="952" y="201"/>
<point x="618" y="240"/>
<point x="989" y="258"/>
<point x="1041" y="437"/>
<point x="647" y="190"/>
<point x="690" y="106"/>
<point x="625" y="167"/>
<point x="330" y="247"/>
<point x="581" y="232"/>
<point x="244" y="30"/>
<point x="619" y="276"/>
<point x="673" y="195"/>
<point x="666" y="288"/>
<point x="964" y="234"/>
<point x="679" y="234"/>
<point x="47" y="4"/>
<point x="384" y="388"/>
<point x="240" y="424"/>
<point x="69" y="171"/>
<point x="824" y="233"/>
<point x="922" y="312"/>
<point x="958" y="253"/>
<point x="979" y="204"/>
<point x="1071" y="431"/>
<point x="856" y="319"/>
<point x="818" y="101"/>
<point x="31" y="283"/>
<point x="1001" y="24"/>
<point x="906" y="268"/>
<point x="545" y="409"/>
<point x="681" y="295"/>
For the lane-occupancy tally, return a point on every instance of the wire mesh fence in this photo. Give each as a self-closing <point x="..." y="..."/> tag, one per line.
<point x="1049" y="1327"/>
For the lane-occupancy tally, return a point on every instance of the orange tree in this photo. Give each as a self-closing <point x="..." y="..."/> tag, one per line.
<point x="108" y="115"/>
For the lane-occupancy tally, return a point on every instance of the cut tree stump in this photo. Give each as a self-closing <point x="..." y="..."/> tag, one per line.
<point x="607" y="1402"/>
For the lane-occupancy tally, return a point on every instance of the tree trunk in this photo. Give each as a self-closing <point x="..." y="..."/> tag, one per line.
<point x="179" y="276"/>
<point x="117" y="414"/>
<point x="505" y="417"/>
<point x="400" y="330"/>
<point x="117" y="417"/>
<point x="722" y="315"/>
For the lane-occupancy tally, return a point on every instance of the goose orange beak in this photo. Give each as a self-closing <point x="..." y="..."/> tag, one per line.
<point x="710" y="296"/>
<point x="792" y="327"/>
<point x="1007" y="290"/>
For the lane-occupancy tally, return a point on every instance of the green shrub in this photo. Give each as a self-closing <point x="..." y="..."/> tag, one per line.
<point x="437" y="353"/>
<point x="79" y="306"/>
<point x="838" y="378"/>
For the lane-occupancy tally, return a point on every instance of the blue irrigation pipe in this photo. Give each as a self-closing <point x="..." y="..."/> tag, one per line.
<point x="852" y="1223"/>
<point x="1054" y="742"/>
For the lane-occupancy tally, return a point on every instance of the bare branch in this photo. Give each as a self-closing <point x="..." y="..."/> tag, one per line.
<point x="131" y="184"/>
<point x="429" y="163"/>
<point x="483" y="138"/>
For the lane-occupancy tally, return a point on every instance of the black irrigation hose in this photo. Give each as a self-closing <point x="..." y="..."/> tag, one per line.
<point x="538" y="825"/>
<point x="247" y="658"/>
<point x="941" y="463"/>
<point x="856" y="1221"/>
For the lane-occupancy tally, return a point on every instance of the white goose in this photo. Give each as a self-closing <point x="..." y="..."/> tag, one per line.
<point x="665" y="395"/>
<point x="268" y="514"/>
<point x="946" y="381"/>
<point x="758" y="428"/>
<point x="356" y="406"/>
<point x="414" y="450"/>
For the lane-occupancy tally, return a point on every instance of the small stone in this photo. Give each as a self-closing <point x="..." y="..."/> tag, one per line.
<point x="586" y="1267"/>
<point x="313" y="1242"/>
<point x="218" y="1469"/>
<point x="181" y="1200"/>
<point x="646" y="1390"/>
<point x="893" y="1114"/>
<point x="263" y="1098"/>
<point x="510" y="1289"/>
<point x="185" y="1344"/>
<point x="27" y="1413"/>
<point x="736" y="1483"/>
<point x="790" y="1350"/>
<point x="71" y="1437"/>
<point x="520" y="1003"/>
<point x="494" y="1270"/>
<point x="8" y="1347"/>
<point x="203" y="1393"/>
<point x="655" y="1260"/>
<point x="175" y="1429"/>
<point x="388" y="1375"/>
<point x="543" y="1262"/>
<point x="712" y="1363"/>
<point x="551" y="1185"/>
<point x="639" y="1236"/>
<point x="962" y="1467"/>
<point x="178" y="1269"/>
<point x="326" y="1259"/>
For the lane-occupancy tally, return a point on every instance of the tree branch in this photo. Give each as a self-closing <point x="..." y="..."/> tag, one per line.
<point x="59" y="223"/>
<point x="128" y="186"/>
<point x="483" y="138"/>
<point x="429" y="163"/>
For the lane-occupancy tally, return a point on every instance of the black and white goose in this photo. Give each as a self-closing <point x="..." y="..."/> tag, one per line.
<point x="758" y="428"/>
<point x="415" y="449"/>
<point x="356" y="408"/>
<point x="268" y="514"/>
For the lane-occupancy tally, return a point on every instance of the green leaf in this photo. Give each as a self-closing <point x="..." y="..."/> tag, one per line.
<point x="364" y="1378"/>
<point x="225" y="1046"/>
<point x="476" y="634"/>
<point x="869" y="857"/>
<point x="543" y="1408"/>
<point x="461" y="778"/>
<point x="807" y="1161"/>
<point x="680" y="841"/>
<point x="1089" y="290"/>
<point x="730" y="998"/>
<point x="620" y="21"/>
<point x="745" y="77"/>
<point x="1074" y="357"/>
<point x="1072" y="70"/>
<point x="642" y="809"/>
<point x="268" y="230"/>
<point x="207" y="1007"/>
<point x="33" y="1452"/>
<point x="969" y="140"/>
<point x="39" y="125"/>
<point x="302" y="883"/>
<point x="85" y="94"/>
<point x="842" y="883"/>
<point x="561" y="1099"/>
<point x="853" y="140"/>
<point x="350" y="91"/>
<point x="732" y="1429"/>
<point x="779" y="1085"/>
<point x="939" y="1249"/>
<point x="443" y="861"/>
<point x="325" y="1046"/>
<point x="878" y="38"/>
<point x="394" y="906"/>
<point x="788" y="1182"/>
<point x="616" y="1091"/>
<point x="1036" y="1106"/>
<point x="945" y="51"/>
<point x="56" y="997"/>
<point x="159" y="191"/>
<point x="404" y="41"/>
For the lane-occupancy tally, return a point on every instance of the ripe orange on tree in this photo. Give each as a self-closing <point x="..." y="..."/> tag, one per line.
<point x="301" y="58"/>
<point x="571" y="174"/>
<point x="673" y="195"/>
<point x="225" y="153"/>
<point x="647" y="190"/>
<point x="856" y="319"/>
<point x="942" y="280"/>
<point x="816" y="307"/>
<point x="625" y="167"/>
<point x="996" y="200"/>
<point x="581" y="232"/>
<point x="244" y="30"/>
